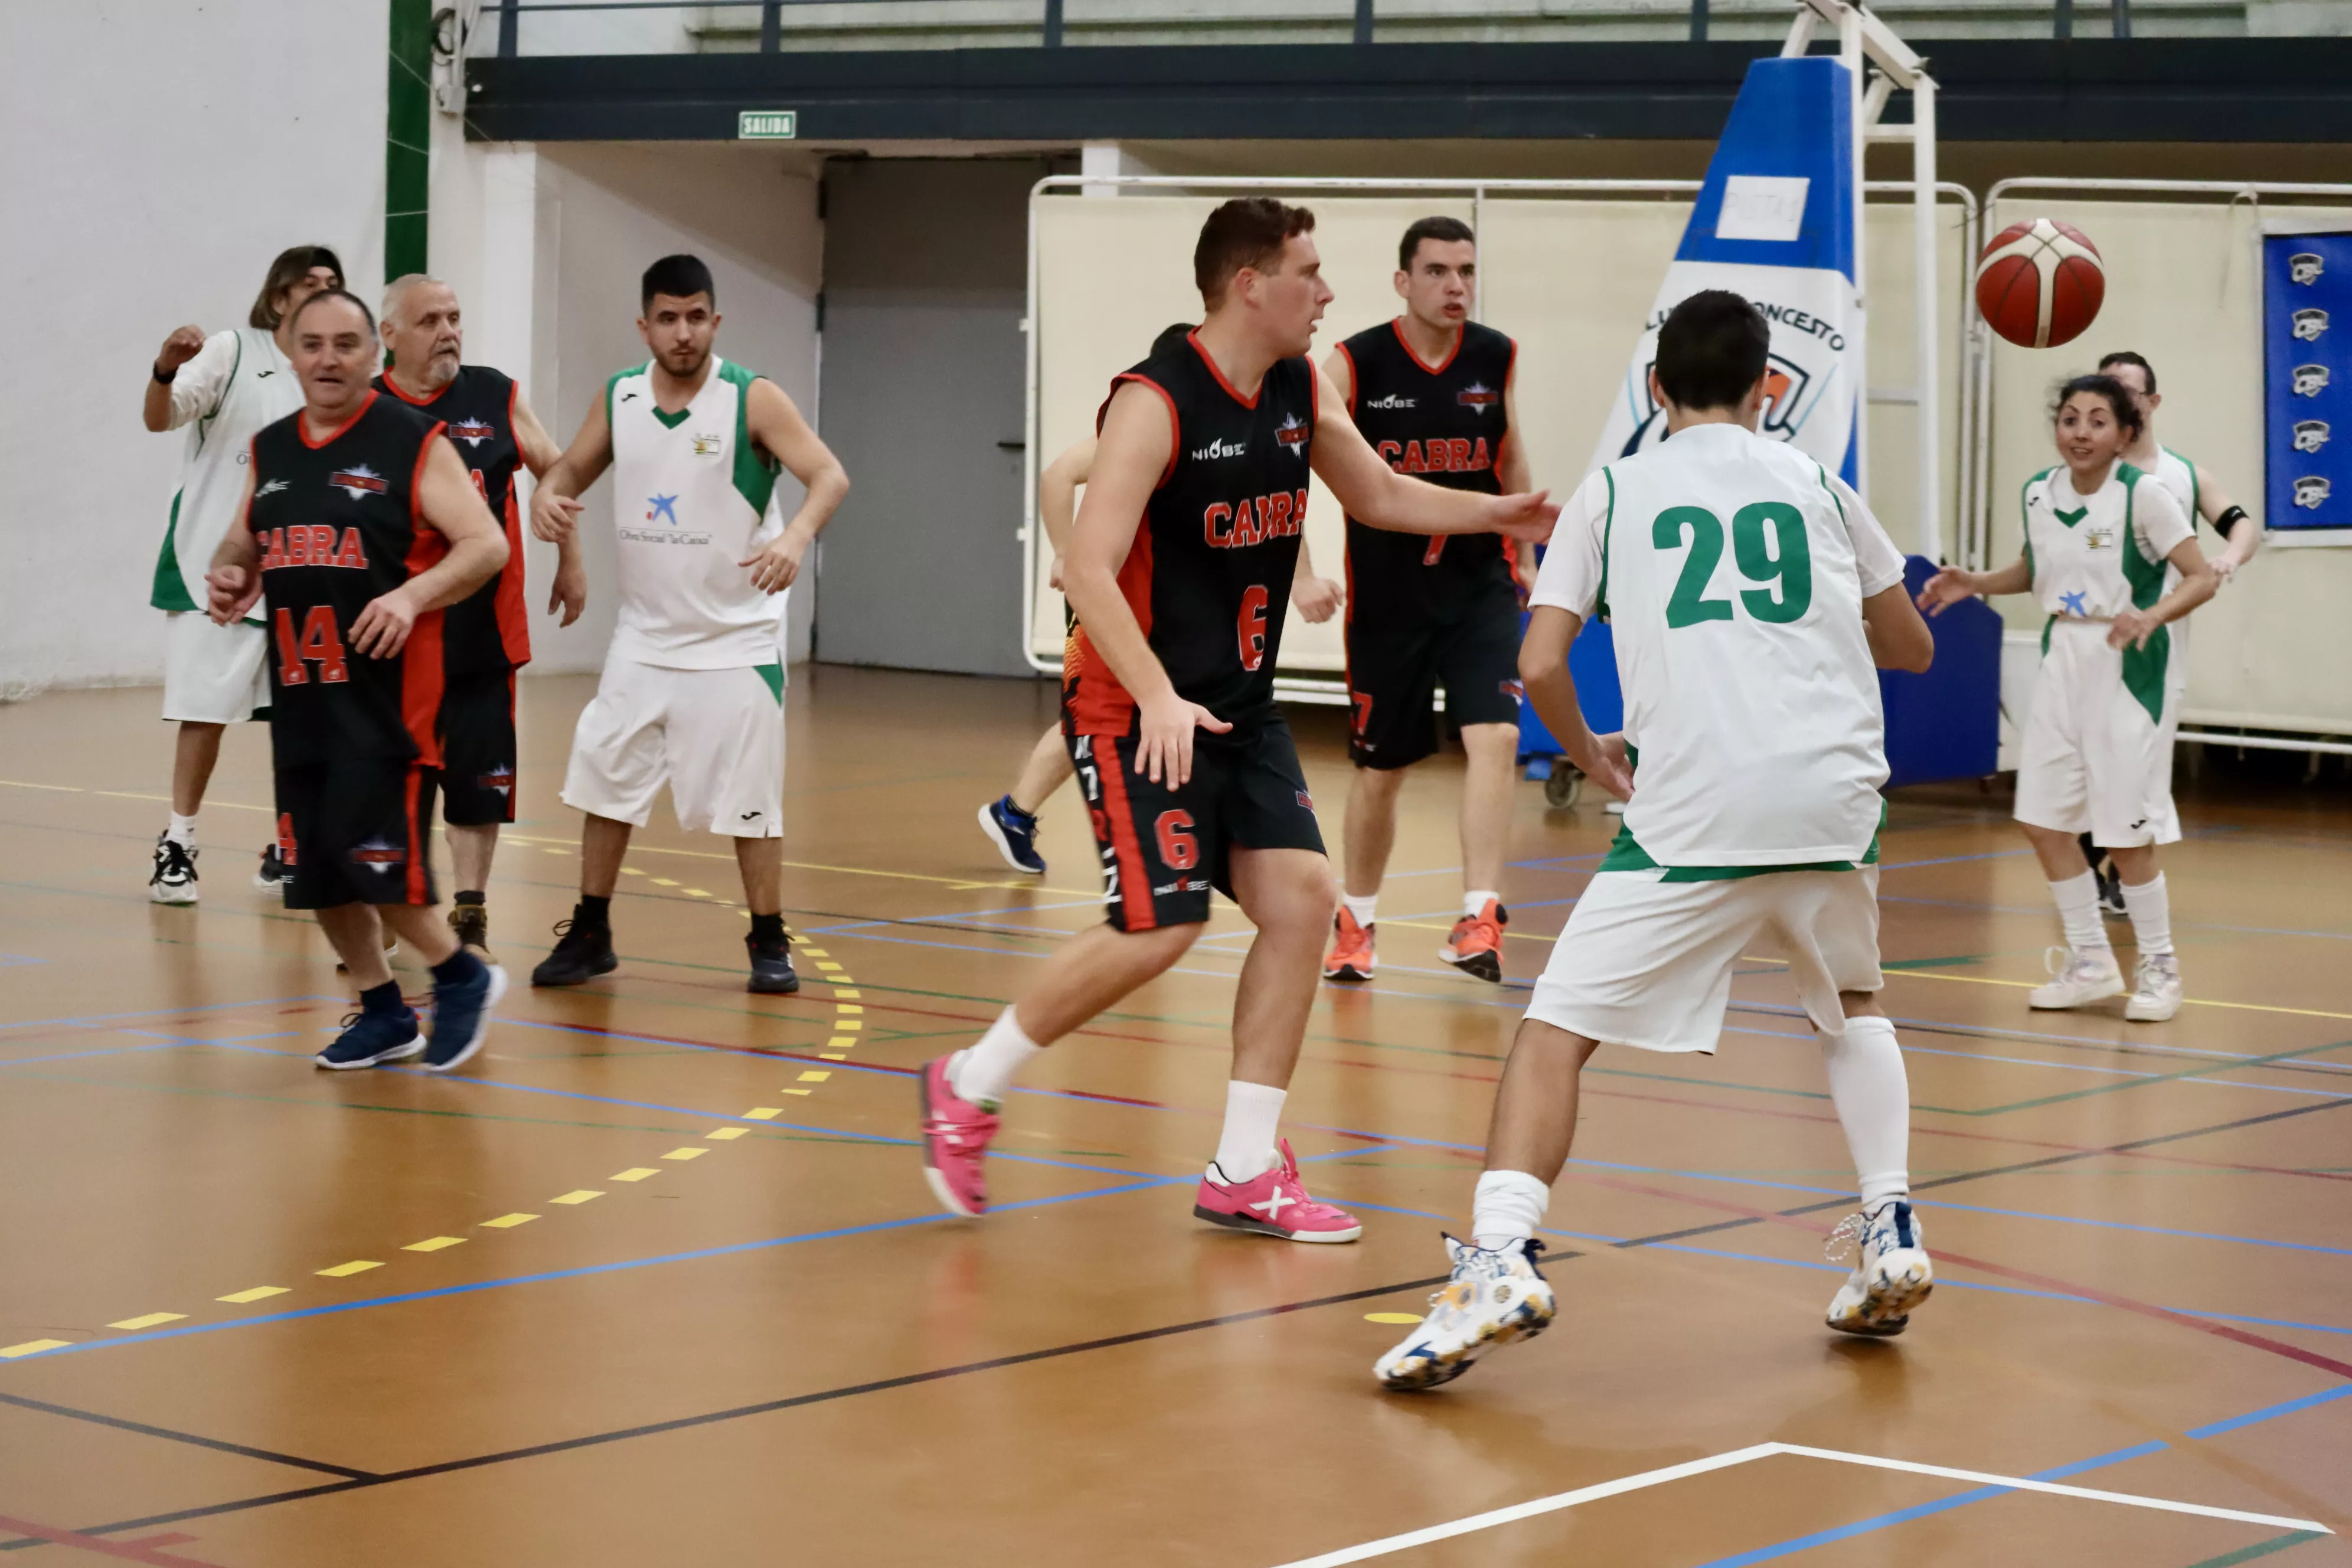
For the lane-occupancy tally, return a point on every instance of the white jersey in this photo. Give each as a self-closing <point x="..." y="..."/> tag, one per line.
<point x="690" y="495"/>
<point x="1732" y="570"/>
<point x="238" y="382"/>
<point x="2092" y="556"/>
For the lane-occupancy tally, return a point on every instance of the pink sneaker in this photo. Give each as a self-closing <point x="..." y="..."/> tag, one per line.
<point x="956" y="1135"/>
<point x="1275" y="1204"/>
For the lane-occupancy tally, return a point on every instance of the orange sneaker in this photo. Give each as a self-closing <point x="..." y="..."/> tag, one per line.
<point x="1351" y="950"/>
<point x="1476" y="947"/>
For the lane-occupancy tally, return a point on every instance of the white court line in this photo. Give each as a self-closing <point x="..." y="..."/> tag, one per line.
<point x="1647" y="1479"/>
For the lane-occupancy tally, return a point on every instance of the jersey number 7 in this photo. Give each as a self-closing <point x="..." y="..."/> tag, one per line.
<point x="320" y="642"/>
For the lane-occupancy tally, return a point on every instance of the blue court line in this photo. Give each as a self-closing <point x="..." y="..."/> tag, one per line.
<point x="94" y="1018"/>
<point x="2176" y="925"/>
<point x="1952" y="859"/>
<point x="2150" y="1229"/>
<point x="2124" y="1072"/>
<point x="2268" y="1412"/>
<point x="110" y="1051"/>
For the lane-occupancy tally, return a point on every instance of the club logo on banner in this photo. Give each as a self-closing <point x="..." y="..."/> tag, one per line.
<point x="1775" y="223"/>
<point x="2307" y="376"/>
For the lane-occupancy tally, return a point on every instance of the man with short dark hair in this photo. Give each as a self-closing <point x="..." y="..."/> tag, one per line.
<point x="359" y="524"/>
<point x="692" y="695"/>
<point x="222" y="389"/>
<point x="1432" y="391"/>
<point x="1184" y="550"/>
<point x="486" y="635"/>
<point x="1753" y="599"/>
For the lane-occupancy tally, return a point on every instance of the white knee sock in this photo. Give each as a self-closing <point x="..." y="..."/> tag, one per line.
<point x="1508" y="1207"/>
<point x="983" y="1073"/>
<point x="1246" y="1148"/>
<point x="2078" y="911"/>
<point x="1476" y="899"/>
<point x="1360" y="908"/>
<point x="2151" y="916"/>
<point x="1874" y="1105"/>
<point x="182" y="831"/>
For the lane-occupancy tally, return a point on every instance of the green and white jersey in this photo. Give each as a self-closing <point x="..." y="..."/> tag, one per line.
<point x="2093" y="556"/>
<point x="690" y="495"/>
<point x="1732" y="570"/>
<point x="238" y="382"/>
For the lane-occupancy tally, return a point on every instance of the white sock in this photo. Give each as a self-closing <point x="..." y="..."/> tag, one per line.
<point x="1508" y="1209"/>
<point x="1872" y="1096"/>
<point x="1359" y="908"/>
<point x="2078" y="913"/>
<point x="1246" y="1148"/>
<point x="182" y="831"/>
<point x="1477" y="898"/>
<point x="2151" y="916"/>
<point x="983" y="1073"/>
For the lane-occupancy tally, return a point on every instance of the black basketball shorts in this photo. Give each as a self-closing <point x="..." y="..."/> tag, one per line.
<point x="356" y="830"/>
<point x="478" y="749"/>
<point x="1395" y="663"/>
<point x="1164" y="845"/>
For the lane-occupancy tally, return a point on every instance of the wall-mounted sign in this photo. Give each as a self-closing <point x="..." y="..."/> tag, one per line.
<point x="2307" y="380"/>
<point x="767" y="125"/>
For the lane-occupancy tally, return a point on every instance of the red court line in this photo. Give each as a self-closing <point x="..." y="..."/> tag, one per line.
<point x="129" y="1550"/>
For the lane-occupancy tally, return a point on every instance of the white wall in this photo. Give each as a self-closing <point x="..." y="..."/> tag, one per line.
<point x="154" y="158"/>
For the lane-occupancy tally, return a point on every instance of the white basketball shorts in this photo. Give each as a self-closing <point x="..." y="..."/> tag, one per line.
<point x="715" y="736"/>
<point x="212" y="675"/>
<point x="1648" y="962"/>
<point x="2091" y="760"/>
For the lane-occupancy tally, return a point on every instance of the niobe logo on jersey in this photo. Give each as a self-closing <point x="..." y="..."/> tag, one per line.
<point x="1478" y="396"/>
<point x="1393" y="400"/>
<point x="311" y="544"/>
<point x="357" y="480"/>
<point x="473" y="432"/>
<point x="1218" y="449"/>
<point x="1438" y="455"/>
<point x="1240" y="524"/>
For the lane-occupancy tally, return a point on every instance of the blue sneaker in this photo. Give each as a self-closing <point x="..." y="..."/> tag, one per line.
<point x="370" y="1038"/>
<point x="461" y="1015"/>
<point x="1014" y="833"/>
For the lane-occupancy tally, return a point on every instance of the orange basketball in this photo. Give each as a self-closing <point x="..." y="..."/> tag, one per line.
<point x="2039" y="283"/>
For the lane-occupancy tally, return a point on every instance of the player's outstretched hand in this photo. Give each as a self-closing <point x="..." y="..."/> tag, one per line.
<point x="183" y="345"/>
<point x="230" y="590"/>
<point x="778" y="566"/>
<point x="568" y="592"/>
<point x="2224" y="568"/>
<point x="1163" y="749"/>
<point x="2131" y="629"/>
<point x="382" y="628"/>
<point x="1948" y="586"/>
<point x="552" y="516"/>
<point x="1317" y="599"/>
<point x="1604" y="763"/>
<point x="1528" y="515"/>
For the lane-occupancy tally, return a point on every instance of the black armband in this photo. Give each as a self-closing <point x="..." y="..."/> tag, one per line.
<point x="2230" y="519"/>
<point x="163" y="377"/>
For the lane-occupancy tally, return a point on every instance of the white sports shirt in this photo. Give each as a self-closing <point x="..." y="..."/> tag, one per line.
<point x="1732" y="570"/>
<point x="2093" y="555"/>
<point x="690" y="496"/>
<point x="238" y="382"/>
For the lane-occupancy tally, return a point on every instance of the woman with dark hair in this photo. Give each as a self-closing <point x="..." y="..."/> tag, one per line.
<point x="2113" y="558"/>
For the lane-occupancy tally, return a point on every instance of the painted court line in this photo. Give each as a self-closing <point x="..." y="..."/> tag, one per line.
<point x="1394" y="1544"/>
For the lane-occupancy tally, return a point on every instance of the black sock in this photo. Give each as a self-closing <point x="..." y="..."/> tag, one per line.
<point x="469" y="896"/>
<point x="768" y="928"/>
<point x="593" y="912"/>
<point x="383" y="998"/>
<point x="458" y="966"/>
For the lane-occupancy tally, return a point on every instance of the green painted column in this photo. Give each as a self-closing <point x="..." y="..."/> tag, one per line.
<point x="408" y="138"/>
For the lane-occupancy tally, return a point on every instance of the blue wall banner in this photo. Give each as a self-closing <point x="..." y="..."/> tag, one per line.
<point x="2307" y="380"/>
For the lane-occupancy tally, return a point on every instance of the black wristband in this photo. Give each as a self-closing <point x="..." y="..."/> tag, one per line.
<point x="163" y="377"/>
<point x="2229" y="520"/>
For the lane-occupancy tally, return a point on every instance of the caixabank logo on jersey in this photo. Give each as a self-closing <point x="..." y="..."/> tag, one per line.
<point x="2307" y="380"/>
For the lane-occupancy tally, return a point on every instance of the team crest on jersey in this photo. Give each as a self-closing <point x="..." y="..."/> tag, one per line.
<point x="2310" y="326"/>
<point x="357" y="480"/>
<point x="380" y="854"/>
<point x="1479" y="397"/>
<point x="2311" y="490"/>
<point x="1513" y="690"/>
<point x="271" y="488"/>
<point x="1292" y="434"/>
<point x="473" y="432"/>
<point x="2305" y="269"/>
<point x="2099" y="539"/>
<point x="1305" y="800"/>
<point x="499" y="779"/>
<point x="706" y="445"/>
<point x="2310" y="434"/>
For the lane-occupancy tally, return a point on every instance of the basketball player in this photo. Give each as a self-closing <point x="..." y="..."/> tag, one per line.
<point x="223" y="388"/>
<point x="2192" y="486"/>
<point x="1750" y="764"/>
<point x="1189" y="530"/>
<point x="360" y="523"/>
<point x="1011" y="821"/>
<point x="487" y="637"/>
<point x="2113" y="557"/>
<point x="1433" y="391"/>
<point x="693" y="690"/>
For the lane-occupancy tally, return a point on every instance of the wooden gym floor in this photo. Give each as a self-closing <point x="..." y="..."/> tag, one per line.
<point x="657" y="1280"/>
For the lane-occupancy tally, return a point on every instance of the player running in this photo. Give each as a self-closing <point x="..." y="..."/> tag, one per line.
<point x="222" y="388"/>
<point x="1187" y="534"/>
<point x="1753" y="599"/>
<point x="693" y="690"/>
<point x="360" y="523"/>
<point x="1433" y="391"/>
<point x="486" y="638"/>
<point x="2113" y="557"/>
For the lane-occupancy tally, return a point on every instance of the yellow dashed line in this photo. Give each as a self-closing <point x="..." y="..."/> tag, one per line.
<point x="688" y="1153"/>
<point x="509" y="1221"/>
<point x="631" y="872"/>
<point x="832" y="1056"/>
<point x="344" y="1270"/>
<point x="152" y="1319"/>
<point x="839" y="992"/>
<point x="764" y="1112"/>
<point x="726" y="1134"/>
<point x="240" y="1297"/>
<point x="815" y="1077"/>
<point x="800" y="1090"/>
<point x="633" y="1173"/>
<point x="696" y="893"/>
<point x="434" y="1243"/>
<point x="849" y="1023"/>
<point x="581" y="1196"/>
<point x="663" y="882"/>
<point x="814" y="952"/>
<point x="841" y="1043"/>
<point x="10" y="1353"/>
<point x="827" y="966"/>
<point x="847" y="1008"/>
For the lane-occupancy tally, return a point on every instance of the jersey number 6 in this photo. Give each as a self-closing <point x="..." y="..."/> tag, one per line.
<point x="320" y="642"/>
<point x="1251" y="625"/>
<point x="1787" y="563"/>
<point x="1179" y="850"/>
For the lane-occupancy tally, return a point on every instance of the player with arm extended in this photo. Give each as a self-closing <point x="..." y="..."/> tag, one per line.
<point x="1184" y="547"/>
<point x="692" y="694"/>
<point x="1435" y="394"/>
<point x="360" y="524"/>
<point x="221" y="389"/>
<point x="485" y="637"/>
<point x="2113" y="558"/>
<point x="1753" y="599"/>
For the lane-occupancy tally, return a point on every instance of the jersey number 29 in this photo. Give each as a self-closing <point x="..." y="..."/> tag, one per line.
<point x="1785" y="567"/>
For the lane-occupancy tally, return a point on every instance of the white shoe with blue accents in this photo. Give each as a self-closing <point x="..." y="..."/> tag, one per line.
<point x="1893" y="1274"/>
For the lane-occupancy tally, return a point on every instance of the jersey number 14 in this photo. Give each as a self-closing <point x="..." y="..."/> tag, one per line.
<point x="319" y="642"/>
<point x="1784" y="567"/>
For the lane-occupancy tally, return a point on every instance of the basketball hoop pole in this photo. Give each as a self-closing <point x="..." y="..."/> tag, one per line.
<point x="1864" y="40"/>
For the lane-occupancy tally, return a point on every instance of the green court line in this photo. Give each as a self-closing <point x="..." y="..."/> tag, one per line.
<point x="1952" y="963"/>
<point x="2260" y="1549"/>
<point x="2200" y="1071"/>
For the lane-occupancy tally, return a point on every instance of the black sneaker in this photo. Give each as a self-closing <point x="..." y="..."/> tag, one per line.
<point x="2111" y="891"/>
<point x="271" y="876"/>
<point x="461" y="1014"/>
<point x="771" y="966"/>
<point x="582" y="953"/>
<point x="472" y="924"/>
<point x="369" y="1038"/>
<point x="173" y="880"/>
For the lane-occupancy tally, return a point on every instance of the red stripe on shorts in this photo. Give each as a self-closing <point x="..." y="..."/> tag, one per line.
<point x="1134" y="880"/>
<point x="418" y="845"/>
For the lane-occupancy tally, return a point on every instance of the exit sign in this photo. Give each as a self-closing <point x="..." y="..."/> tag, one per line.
<point x="767" y="125"/>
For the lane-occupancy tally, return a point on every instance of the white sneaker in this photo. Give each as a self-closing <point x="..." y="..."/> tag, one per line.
<point x="1494" y="1299"/>
<point x="174" y="877"/>
<point x="1893" y="1274"/>
<point x="2078" y="975"/>
<point x="2156" y="989"/>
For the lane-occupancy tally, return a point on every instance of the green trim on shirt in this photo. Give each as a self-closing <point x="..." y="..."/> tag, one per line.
<point x="671" y="421"/>
<point x="1601" y="599"/>
<point x="773" y="674"/>
<point x="171" y="590"/>
<point x="1627" y="854"/>
<point x="2024" y="508"/>
<point x="2145" y="668"/>
<point x="755" y="472"/>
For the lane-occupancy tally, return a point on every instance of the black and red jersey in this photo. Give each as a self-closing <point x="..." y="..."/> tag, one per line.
<point x="488" y="631"/>
<point x="1445" y="422"/>
<point x="337" y="525"/>
<point x="1208" y="574"/>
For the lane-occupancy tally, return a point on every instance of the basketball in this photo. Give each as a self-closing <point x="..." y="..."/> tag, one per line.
<point x="2039" y="283"/>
